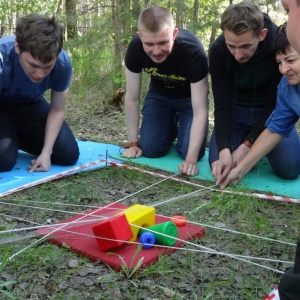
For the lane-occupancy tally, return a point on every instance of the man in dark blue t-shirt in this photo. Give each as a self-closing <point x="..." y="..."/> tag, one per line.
<point x="176" y="104"/>
<point x="31" y="63"/>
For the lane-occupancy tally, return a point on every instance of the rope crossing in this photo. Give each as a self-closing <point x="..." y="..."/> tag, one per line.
<point x="195" y="247"/>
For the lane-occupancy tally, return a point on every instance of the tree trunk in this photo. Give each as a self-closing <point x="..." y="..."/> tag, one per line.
<point x="136" y="10"/>
<point x="195" y="15"/>
<point x="212" y="37"/>
<point x="117" y="24"/>
<point x="180" y="11"/>
<point x="71" y="19"/>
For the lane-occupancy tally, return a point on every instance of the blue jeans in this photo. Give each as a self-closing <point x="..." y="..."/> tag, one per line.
<point x="22" y="126"/>
<point x="164" y="120"/>
<point x="284" y="158"/>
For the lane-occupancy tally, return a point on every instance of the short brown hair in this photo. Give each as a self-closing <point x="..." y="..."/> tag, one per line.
<point x="243" y="17"/>
<point x="154" y="19"/>
<point x="41" y="36"/>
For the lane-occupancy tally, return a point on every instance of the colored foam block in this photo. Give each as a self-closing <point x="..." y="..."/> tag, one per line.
<point x="113" y="232"/>
<point x="165" y="233"/>
<point x="178" y="220"/>
<point x="147" y="239"/>
<point x="140" y="215"/>
<point x="77" y="237"/>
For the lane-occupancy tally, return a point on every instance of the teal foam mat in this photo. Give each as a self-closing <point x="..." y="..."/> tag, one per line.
<point x="93" y="156"/>
<point x="261" y="178"/>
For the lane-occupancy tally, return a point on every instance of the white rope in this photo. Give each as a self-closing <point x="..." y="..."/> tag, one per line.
<point x="206" y="249"/>
<point x="153" y="205"/>
<point x="238" y="232"/>
<point x="203" y="249"/>
<point x="178" y="197"/>
<point x="92" y="213"/>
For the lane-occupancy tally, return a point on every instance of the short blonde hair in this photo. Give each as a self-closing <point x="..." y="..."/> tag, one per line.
<point x="155" y="19"/>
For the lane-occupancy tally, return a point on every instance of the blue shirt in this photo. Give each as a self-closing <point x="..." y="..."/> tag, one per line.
<point x="287" y="110"/>
<point x="15" y="86"/>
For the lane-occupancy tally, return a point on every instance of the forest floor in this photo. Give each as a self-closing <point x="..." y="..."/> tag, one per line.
<point x="237" y="225"/>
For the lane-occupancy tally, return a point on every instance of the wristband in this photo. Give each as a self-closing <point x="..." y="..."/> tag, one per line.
<point x="248" y="144"/>
<point x="132" y="144"/>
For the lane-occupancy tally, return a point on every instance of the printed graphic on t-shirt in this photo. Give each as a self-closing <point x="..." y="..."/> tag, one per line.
<point x="168" y="81"/>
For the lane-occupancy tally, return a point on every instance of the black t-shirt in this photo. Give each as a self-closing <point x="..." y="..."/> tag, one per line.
<point x="187" y="63"/>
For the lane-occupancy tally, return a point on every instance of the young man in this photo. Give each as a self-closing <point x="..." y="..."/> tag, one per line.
<point x="31" y="63"/>
<point x="244" y="76"/>
<point x="284" y="117"/>
<point x="176" y="104"/>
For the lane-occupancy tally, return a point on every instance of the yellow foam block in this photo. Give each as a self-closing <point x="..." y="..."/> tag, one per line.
<point x="140" y="215"/>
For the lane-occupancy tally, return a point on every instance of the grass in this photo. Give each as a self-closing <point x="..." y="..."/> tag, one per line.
<point x="46" y="271"/>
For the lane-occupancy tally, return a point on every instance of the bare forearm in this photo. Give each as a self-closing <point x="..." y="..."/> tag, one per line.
<point x="197" y="136"/>
<point x="132" y="120"/>
<point x="199" y="94"/>
<point x="264" y="144"/>
<point x="53" y="126"/>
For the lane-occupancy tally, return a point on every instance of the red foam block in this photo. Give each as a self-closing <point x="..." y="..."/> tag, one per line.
<point x="80" y="238"/>
<point x="113" y="232"/>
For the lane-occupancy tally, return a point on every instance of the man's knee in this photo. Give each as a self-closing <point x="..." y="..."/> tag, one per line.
<point x="289" y="174"/>
<point x="154" y="151"/>
<point x="183" y="154"/>
<point x="66" y="157"/>
<point x="8" y="154"/>
<point x="7" y="163"/>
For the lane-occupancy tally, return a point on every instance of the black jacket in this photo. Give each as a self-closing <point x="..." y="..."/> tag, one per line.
<point x="289" y="286"/>
<point x="252" y="84"/>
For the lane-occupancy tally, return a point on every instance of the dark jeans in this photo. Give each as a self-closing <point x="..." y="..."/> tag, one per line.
<point x="284" y="158"/>
<point x="22" y="126"/>
<point x="164" y="119"/>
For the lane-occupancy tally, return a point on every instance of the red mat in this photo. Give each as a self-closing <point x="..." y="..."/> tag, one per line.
<point x="78" y="237"/>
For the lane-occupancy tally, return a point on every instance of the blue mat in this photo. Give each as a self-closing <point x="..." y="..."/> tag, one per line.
<point x="91" y="156"/>
<point x="261" y="178"/>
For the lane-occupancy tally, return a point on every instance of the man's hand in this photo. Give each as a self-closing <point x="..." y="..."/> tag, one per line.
<point x="41" y="164"/>
<point x="189" y="169"/>
<point x="234" y="177"/>
<point x="222" y="166"/>
<point x="132" y="152"/>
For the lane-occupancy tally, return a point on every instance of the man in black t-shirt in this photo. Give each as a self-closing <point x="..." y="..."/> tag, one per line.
<point x="176" y="104"/>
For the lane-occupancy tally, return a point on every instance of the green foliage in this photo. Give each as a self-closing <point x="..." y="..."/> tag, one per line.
<point x="130" y="270"/>
<point x="5" y="284"/>
<point x="12" y="8"/>
<point x="119" y="77"/>
<point x="94" y="65"/>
